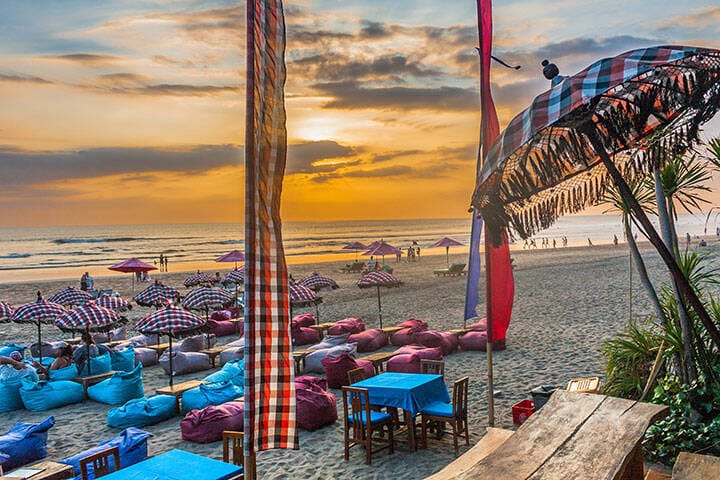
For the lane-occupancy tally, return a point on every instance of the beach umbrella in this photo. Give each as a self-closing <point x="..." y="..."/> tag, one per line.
<point x="38" y="312"/>
<point x="446" y="242"/>
<point x="379" y="279"/>
<point x="381" y="248"/>
<point x="204" y="298"/>
<point x="132" y="265"/>
<point x="198" y="278"/>
<point x="317" y="282"/>
<point x="302" y="296"/>
<point x="112" y="302"/>
<point x="356" y="247"/>
<point x="71" y="297"/>
<point x="173" y="322"/>
<point x="156" y="295"/>
<point x="236" y="276"/>
<point x="5" y="311"/>
<point x="232" y="256"/>
<point x="623" y="115"/>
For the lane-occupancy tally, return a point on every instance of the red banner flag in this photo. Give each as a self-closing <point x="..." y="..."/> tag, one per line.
<point x="269" y="385"/>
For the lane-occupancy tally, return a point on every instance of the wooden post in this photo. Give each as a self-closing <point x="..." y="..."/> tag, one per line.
<point x="488" y="320"/>
<point x="250" y="467"/>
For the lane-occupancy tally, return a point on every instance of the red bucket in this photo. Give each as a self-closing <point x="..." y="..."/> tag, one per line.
<point x="522" y="410"/>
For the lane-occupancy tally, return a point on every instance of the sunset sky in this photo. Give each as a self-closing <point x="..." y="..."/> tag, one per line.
<point x="133" y="111"/>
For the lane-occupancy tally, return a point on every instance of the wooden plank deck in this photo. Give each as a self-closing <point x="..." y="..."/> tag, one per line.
<point x="492" y="440"/>
<point x="691" y="466"/>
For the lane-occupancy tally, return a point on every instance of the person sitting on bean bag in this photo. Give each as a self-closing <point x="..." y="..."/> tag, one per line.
<point x="80" y="356"/>
<point x="63" y="359"/>
<point x="13" y="369"/>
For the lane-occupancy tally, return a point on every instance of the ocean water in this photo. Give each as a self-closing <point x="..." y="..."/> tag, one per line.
<point x="66" y="251"/>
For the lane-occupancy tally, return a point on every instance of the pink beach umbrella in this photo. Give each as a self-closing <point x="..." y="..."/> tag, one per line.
<point x="446" y="242"/>
<point x="381" y="248"/>
<point x="156" y="295"/>
<point x="173" y="322"/>
<point x="5" y="311"/>
<point x="379" y="279"/>
<point x="132" y="265"/>
<point x="71" y="297"/>
<point x="38" y="312"/>
<point x="355" y="246"/>
<point x="232" y="256"/>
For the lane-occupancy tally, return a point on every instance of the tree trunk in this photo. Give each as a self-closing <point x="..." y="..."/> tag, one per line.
<point x="644" y="278"/>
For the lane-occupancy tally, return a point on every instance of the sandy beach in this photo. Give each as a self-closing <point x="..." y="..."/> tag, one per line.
<point x="566" y="302"/>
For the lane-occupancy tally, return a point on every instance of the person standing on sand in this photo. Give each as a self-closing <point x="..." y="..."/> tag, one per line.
<point x="615" y="240"/>
<point x="162" y="262"/>
<point x="166" y="262"/>
<point x="687" y="235"/>
<point x="417" y="253"/>
<point x="589" y="242"/>
<point x="89" y="281"/>
<point x="83" y="282"/>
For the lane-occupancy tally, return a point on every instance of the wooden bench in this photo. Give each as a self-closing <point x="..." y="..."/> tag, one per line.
<point x="321" y="327"/>
<point x="159" y="348"/>
<point x="378" y="359"/>
<point x="177" y="390"/>
<point x="574" y="436"/>
<point x="458" y="332"/>
<point x="49" y="470"/>
<point x="299" y="357"/>
<point x="92" y="380"/>
<point x="487" y="444"/>
<point x="213" y="353"/>
<point x="691" y="466"/>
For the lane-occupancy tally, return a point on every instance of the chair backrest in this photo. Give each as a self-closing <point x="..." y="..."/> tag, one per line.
<point x="457" y="267"/>
<point x="460" y="394"/>
<point x="356" y="406"/>
<point x="356" y="375"/>
<point x="435" y="367"/>
<point x="584" y="385"/>
<point x="233" y="442"/>
<point x="100" y="462"/>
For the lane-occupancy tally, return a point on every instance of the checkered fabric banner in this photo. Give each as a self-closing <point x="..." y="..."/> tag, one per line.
<point x="71" y="296"/>
<point x="87" y="317"/>
<point x="269" y="387"/>
<point x="5" y="311"/>
<point x="41" y="311"/>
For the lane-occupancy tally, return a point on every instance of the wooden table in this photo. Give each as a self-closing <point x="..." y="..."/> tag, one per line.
<point x="299" y="357"/>
<point x="213" y="353"/>
<point x="159" y="348"/>
<point x="114" y="343"/>
<point x="177" y="465"/>
<point x="459" y="332"/>
<point x="378" y="359"/>
<point x="487" y="444"/>
<point x="690" y="466"/>
<point x="73" y="341"/>
<point x="391" y="330"/>
<point x="92" y="380"/>
<point x="50" y="471"/>
<point x="177" y="390"/>
<point x="574" y="436"/>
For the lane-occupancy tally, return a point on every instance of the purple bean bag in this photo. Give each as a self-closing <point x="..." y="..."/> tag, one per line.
<point x="480" y="326"/>
<point x="313" y="362"/>
<point x="221" y="315"/>
<point x="208" y="424"/>
<point x="449" y="343"/>
<point x="417" y="325"/>
<point x="146" y="356"/>
<point x="330" y="341"/>
<point x="303" y="320"/>
<point x="232" y="353"/>
<point x="347" y="326"/>
<point x="119" y="333"/>
<point x="428" y="338"/>
<point x="316" y="407"/>
<point x="221" y="328"/>
<point x="304" y="335"/>
<point x="185" y="362"/>
<point x="337" y="368"/>
<point x="423" y="353"/>
<point x="144" y="340"/>
<point x="366" y="365"/>
<point x="404" y="363"/>
<point x="369" y="340"/>
<point x="402" y="337"/>
<point x="478" y="341"/>
<point x="193" y="344"/>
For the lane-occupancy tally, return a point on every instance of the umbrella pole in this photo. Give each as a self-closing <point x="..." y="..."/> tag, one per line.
<point x="379" y="306"/>
<point x="682" y="282"/>
<point x="317" y="314"/>
<point x="489" y="343"/>
<point x="40" y="341"/>
<point x="87" y="345"/>
<point x="170" y="357"/>
<point x="447" y="255"/>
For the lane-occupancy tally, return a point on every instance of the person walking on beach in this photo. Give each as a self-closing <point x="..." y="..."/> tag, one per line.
<point x="687" y="235"/>
<point x="417" y="253"/>
<point x="615" y="240"/>
<point x="554" y="243"/>
<point x="589" y="242"/>
<point x="166" y="262"/>
<point x="398" y="256"/>
<point x="162" y="262"/>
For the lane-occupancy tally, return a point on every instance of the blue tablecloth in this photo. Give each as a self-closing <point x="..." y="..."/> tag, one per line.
<point x="409" y="391"/>
<point x="177" y="465"/>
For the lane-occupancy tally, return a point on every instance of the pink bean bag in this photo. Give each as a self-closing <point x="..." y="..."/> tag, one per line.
<point x="221" y="328"/>
<point x="221" y="315"/>
<point x="402" y="337"/>
<point x="236" y="312"/>
<point x="193" y="344"/>
<point x="347" y="326"/>
<point x="207" y="425"/>
<point x="369" y="340"/>
<point x="336" y="369"/>
<point x="480" y="326"/>
<point x="316" y="407"/>
<point x="405" y="363"/>
<point x="304" y="335"/>
<point x="428" y="338"/>
<point x="478" y="341"/>
<point x="417" y="325"/>
<point x="146" y="356"/>
<point x="303" y="320"/>
<point x="422" y="353"/>
<point x="449" y="343"/>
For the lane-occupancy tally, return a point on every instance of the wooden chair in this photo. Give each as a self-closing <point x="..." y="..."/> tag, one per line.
<point x="363" y="421"/>
<point x="233" y="443"/>
<point x="435" y="367"/>
<point x="100" y="462"/>
<point x="356" y="375"/>
<point x="454" y="413"/>
<point x="584" y="385"/>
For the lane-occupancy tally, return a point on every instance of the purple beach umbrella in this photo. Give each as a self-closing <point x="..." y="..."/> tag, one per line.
<point x="355" y="246"/>
<point x="446" y="242"/>
<point x="232" y="256"/>
<point x="381" y="248"/>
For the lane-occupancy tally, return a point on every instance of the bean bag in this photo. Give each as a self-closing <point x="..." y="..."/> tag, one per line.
<point x="132" y="444"/>
<point x="123" y="360"/>
<point x="41" y="396"/>
<point x="184" y="362"/>
<point x="240" y="342"/>
<point x="449" y="343"/>
<point x="423" y="353"/>
<point x="404" y="363"/>
<point x="119" y="388"/>
<point x="211" y="394"/>
<point x="229" y="354"/>
<point x="7" y="349"/>
<point x="304" y="335"/>
<point x="221" y="328"/>
<point x="313" y="362"/>
<point x="347" y="326"/>
<point x="476" y="340"/>
<point x="406" y="336"/>
<point x="24" y="443"/>
<point x="232" y="371"/>
<point x="417" y="325"/>
<point x="66" y="373"/>
<point x="315" y="406"/>
<point x="208" y="424"/>
<point x="146" y="356"/>
<point x="221" y="315"/>
<point x="119" y="333"/>
<point x="10" y="396"/>
<point x="330" y="341"/>
<point x="303" y="320"/>
<point x="144" y="340"/>
<point x="337" y="368"/>
<point x="100" y="364"/>
<point x="48" y="349"/>
<point x="480" y="326"/>
<point x="428" y="338"/>
<point x="140" y="412"/>
<point x="369" y="340"/>
<point x="194" y="343"/>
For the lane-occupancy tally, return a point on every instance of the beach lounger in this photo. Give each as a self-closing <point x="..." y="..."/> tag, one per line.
<point x="454" y="270"/>
<point x="355" y="267"/>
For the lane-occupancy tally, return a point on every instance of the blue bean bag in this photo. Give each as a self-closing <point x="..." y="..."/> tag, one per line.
<point x="67" y="373"/>
<point x="132" y="443"/>
<point x="211" y="394"/>
<point x="24" y="443"/>
<point x="10" y="396"/>
<point x="98" y="365"/>
<point x="119" y="388"/>
<point x="140" y="412"/>
<point x="233" y="371"/>
<point x="123" y="360"/>
<point x="6" y="350"/>
<point x="41" y="396"/>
